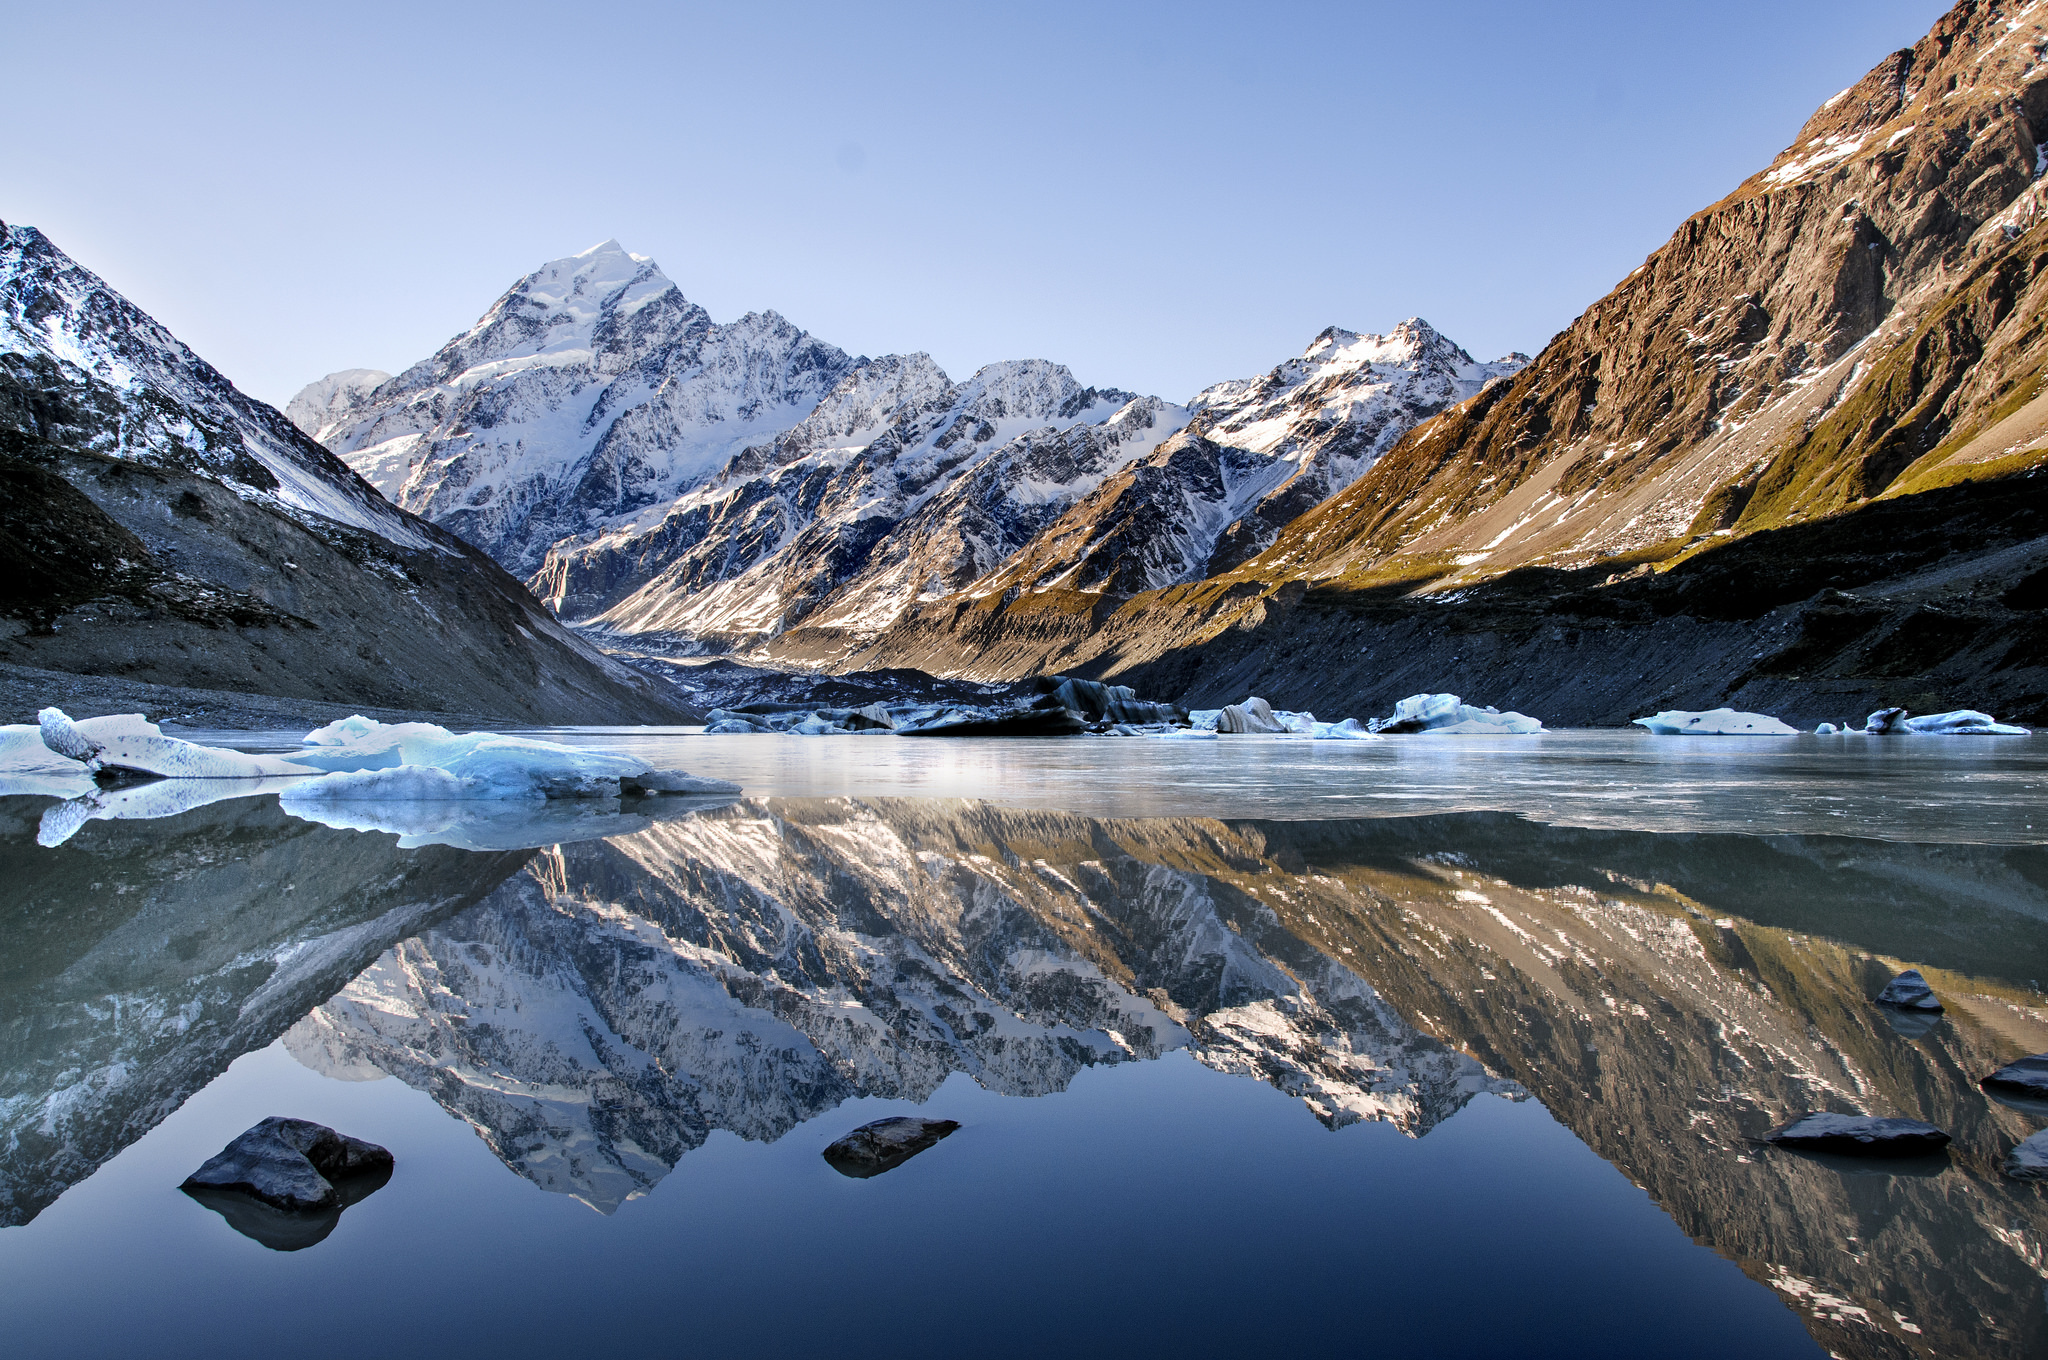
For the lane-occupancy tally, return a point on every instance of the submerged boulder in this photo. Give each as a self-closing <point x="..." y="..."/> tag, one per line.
<point x="2027" y="1077"/>
<point x="885" y="1144"/>
<point x="1909" y="992"/>
<point x="2029" y="1161"/>
<point x="1859" y="1135"/>
<point x="290" y="1164"/>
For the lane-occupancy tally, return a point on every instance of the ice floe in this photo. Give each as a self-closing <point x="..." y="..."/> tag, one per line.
<point x="362" y="760"/>
<point x="129" y="741"/>
<point x="1450" y="716"/>
<point x="1714" y="722"/>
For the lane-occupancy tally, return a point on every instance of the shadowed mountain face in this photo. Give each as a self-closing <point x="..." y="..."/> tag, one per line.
<point x="752" y="967"/>
<point x="139" y="959"/>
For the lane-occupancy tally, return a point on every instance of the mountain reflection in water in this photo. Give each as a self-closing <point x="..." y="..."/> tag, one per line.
<point x="597" y="1008"/>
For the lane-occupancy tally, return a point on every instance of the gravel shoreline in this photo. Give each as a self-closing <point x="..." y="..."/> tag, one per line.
<point x="24" y="690"/>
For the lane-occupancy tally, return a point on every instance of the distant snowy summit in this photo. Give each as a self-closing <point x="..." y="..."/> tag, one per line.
<point x="654" y="471"/>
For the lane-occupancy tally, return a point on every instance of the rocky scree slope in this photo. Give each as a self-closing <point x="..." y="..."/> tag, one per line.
<point x="1853" y="338"/>
<point x="159" y="525"/>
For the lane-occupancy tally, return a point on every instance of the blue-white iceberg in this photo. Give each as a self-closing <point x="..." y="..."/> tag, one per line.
<point x="1714" y="722"/>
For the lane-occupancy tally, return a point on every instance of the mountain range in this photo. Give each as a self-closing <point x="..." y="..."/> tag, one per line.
<point x="677" y="482"/>
<point x="1789" y="462"/>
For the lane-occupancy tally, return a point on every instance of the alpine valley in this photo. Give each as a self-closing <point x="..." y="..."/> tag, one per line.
<point x="1792" y="461"/>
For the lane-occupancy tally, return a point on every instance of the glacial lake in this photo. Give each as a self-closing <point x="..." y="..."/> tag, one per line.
<point x="1420" y="1047"/>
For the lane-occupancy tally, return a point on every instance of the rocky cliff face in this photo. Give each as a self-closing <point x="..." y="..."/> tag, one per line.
<point x="1844" y="351"/>
<point x="1851" y="322"/>
<point x="159" y="525"/>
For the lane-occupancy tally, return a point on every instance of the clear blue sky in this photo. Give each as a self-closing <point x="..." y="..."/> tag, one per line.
<point x="1157" y="195"/>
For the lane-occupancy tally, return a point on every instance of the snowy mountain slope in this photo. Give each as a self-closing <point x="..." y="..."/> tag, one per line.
<point x="155" y="401"/>
<point x="590" y="391"/>
<point x="322" y="405"/>
<point x="163" y="527"/>
<point x="1257" y="453"/>
<point x="845" y="537"/>
<point x="821" y="561"/>
<point x="779" y="958"/>
<point x="658" y="473"/>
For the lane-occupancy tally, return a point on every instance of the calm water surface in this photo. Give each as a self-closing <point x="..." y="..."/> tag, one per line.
<point x="1419" y="1047"/>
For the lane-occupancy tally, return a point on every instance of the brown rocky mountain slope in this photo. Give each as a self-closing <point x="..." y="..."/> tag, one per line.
<point x="1841" y="356"/>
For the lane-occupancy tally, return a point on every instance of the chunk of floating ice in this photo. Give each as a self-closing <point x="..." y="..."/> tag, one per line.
<point x="1450" y="716"/>
<point x="128" y="741"/>
<point x="1348" y="730"/>
<point x="1964" y="722"/>
<point x="1715" y="722"/>
<point x="22" y="749"/>
<point x="364" y="760"/>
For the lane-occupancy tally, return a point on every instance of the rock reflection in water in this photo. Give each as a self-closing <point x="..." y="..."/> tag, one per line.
<point x="139" y="959"/>
<point x="751" y="967"/>
<point x="595" y="1010"/>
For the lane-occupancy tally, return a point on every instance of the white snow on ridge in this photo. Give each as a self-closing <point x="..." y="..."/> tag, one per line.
<point x="590" y="393"/>
<point x="175" y="406"/>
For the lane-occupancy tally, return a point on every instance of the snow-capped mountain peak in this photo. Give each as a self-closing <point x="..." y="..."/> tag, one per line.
<point x="591" y="391"/>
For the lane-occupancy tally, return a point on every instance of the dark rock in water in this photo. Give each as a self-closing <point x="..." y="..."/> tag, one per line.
<point x="2027" y="1077"/>
<point x="1909" y="991"/>
<point x="2029" y="1161"/>
<point x="1025" y="722"/>
<point x="288" y="1229"/>
<point x="1859" y="1135"/>
<point x="673" y="781"/>
<point x="290" y="1164"/>
<point x="885" y="1144"/>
